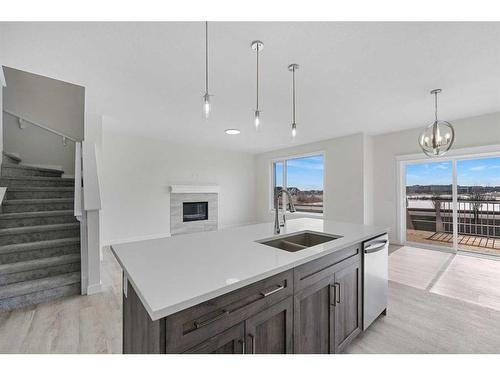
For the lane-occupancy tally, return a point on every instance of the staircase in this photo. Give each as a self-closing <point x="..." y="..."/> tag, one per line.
<point x="39" y="236"/>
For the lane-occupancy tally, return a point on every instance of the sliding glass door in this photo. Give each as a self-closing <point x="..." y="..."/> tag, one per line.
<point x="453" y="204"/>
<point x="429" y="203"/>
<point x="478" y="205"/>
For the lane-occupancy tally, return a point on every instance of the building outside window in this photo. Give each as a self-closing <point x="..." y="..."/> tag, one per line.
<point x="303" y="177"/>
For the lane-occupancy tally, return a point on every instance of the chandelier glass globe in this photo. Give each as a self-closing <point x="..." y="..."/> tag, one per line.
<point x="437" y="138"/>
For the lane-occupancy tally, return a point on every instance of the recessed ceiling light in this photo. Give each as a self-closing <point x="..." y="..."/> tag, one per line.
<point x="232" y="131"/>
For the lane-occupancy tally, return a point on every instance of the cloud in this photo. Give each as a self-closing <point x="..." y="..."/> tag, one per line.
<point x="442" y="166"/>
<point x="478" y="168"/>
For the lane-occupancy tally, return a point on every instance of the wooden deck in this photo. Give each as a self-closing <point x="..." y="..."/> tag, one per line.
<point x="465" y="242"/>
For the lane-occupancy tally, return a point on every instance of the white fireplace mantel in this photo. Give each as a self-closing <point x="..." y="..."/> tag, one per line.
<point x="194" y="189"/>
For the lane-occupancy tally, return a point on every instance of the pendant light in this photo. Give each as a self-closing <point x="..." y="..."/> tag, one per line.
<point x="257" y="46"/>
<point x="438" y="137"/>
<point x="293" y="68"/>
<point x="206" y="97"/>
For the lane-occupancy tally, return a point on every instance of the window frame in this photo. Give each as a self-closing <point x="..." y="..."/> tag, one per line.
<point x="468" y="153"/>
<point x="284" y="159"/>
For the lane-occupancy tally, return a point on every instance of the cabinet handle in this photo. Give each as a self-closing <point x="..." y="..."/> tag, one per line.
<point x="253" y="342"/>
<point x="198" y="324"/>
<point x="267" y="294"/>
<point x="337" y="295"/>
<point x="333" y="294"/>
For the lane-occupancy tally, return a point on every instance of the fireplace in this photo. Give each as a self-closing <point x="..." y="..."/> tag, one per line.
<point x="193" y="208"/>
<point x="194" y="211"/>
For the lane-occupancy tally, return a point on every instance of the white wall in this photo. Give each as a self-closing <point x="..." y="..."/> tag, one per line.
<point x="476" y="131"/>
<point x="137" y="172"/>
<point x="344" y="180"/>
<point x="36" y="146"/>
<point x="52" y="103"/>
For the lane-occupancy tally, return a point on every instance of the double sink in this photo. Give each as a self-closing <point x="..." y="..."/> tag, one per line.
<point x="299" y="241"/>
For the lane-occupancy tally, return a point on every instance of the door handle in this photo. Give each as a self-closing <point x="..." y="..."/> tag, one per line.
<point x="337" y="295"/>
<point x="333" y="294"/>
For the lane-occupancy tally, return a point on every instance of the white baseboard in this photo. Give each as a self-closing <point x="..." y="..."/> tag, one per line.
<point x="94" y="289"/>
<point x="135" y="239"/>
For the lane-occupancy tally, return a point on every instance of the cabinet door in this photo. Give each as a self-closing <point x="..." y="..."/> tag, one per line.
<point x="348" y="300"/>
<point x="270" y="331"/>
<point x="313" y="318"/>
<point x="230" y="341"/>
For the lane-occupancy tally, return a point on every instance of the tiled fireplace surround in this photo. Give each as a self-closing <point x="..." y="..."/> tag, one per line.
<point x="184" y="193"/>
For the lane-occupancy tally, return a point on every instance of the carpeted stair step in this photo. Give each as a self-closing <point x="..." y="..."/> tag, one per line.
<point x="38" y="268"/>
<point x="27" y="219"/>
<point x="40" y="192"/>
<point x="31" y="205"/>
<point x="36" y="233"/>
<point x="40" y="249"/>
<point x="36" y="181"/>
<point x="8" y="157"/>
<point x="15" y="170"/>
<point x="14" y="296"/>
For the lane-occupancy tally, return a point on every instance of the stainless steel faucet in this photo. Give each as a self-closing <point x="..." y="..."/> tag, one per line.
<point x="291" y="208"/>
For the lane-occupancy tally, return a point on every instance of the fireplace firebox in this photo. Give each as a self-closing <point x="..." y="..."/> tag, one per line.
<point x="194" y="211"/>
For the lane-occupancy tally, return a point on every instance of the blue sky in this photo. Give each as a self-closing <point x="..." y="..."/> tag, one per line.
<point x="304" y="173"/>
<point x="484" y="172"/>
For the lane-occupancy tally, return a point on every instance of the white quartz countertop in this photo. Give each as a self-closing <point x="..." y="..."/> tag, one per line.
<point x="173" y="273"/>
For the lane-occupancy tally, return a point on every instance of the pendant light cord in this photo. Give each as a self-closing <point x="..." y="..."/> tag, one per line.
<point x="206" y="57"/>
<point x="293" y="94"/>
<point x="257" y="77"/>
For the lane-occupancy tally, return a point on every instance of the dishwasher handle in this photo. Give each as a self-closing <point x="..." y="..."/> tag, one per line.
<point x="376" y="246"/>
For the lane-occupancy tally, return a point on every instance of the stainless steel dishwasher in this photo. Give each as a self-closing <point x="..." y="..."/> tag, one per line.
<point x="375" y="269"/>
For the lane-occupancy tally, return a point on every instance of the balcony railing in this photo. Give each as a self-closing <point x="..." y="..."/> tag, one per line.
<point x="477" y="218"/>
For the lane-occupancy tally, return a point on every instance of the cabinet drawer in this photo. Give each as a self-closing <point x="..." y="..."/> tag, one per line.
<point x="314" y="271"/>
<point x="192" y="326"/>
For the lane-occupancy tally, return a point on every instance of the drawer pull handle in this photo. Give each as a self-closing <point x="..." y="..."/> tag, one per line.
<point x="198" y="324"/>
<point x="267" y="294"/>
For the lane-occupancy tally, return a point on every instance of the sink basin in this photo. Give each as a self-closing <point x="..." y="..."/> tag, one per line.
<point x="299" y="241"/>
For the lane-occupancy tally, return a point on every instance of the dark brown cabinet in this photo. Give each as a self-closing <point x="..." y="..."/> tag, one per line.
<point x="313" y="318"/>
<point x="313" y="308"/>
<point x="327" y="314"/>
<point x="348" y="308"/>
<point x="270" y="331"/>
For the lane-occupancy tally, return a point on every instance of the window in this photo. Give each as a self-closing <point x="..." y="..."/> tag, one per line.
<point x="303" y="178"/>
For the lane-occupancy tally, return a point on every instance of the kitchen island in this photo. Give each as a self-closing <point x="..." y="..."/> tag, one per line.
<point x="227" y="292"/>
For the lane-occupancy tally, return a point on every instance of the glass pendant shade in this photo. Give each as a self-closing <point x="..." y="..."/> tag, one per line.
<point x="437" y="138"/>
<point x="257" y="119"/>
<point x="206" y="106"/>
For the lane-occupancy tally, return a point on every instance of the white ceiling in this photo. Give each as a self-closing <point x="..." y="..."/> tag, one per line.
<point x="353" y="77"/>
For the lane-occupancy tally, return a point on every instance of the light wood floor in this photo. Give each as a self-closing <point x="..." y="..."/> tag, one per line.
<point x="420" y="319"/>
<point x="77" y="324"/>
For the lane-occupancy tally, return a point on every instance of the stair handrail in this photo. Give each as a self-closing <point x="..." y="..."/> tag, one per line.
<point x="46" y="128"/>
<point x="78" y="181"/>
